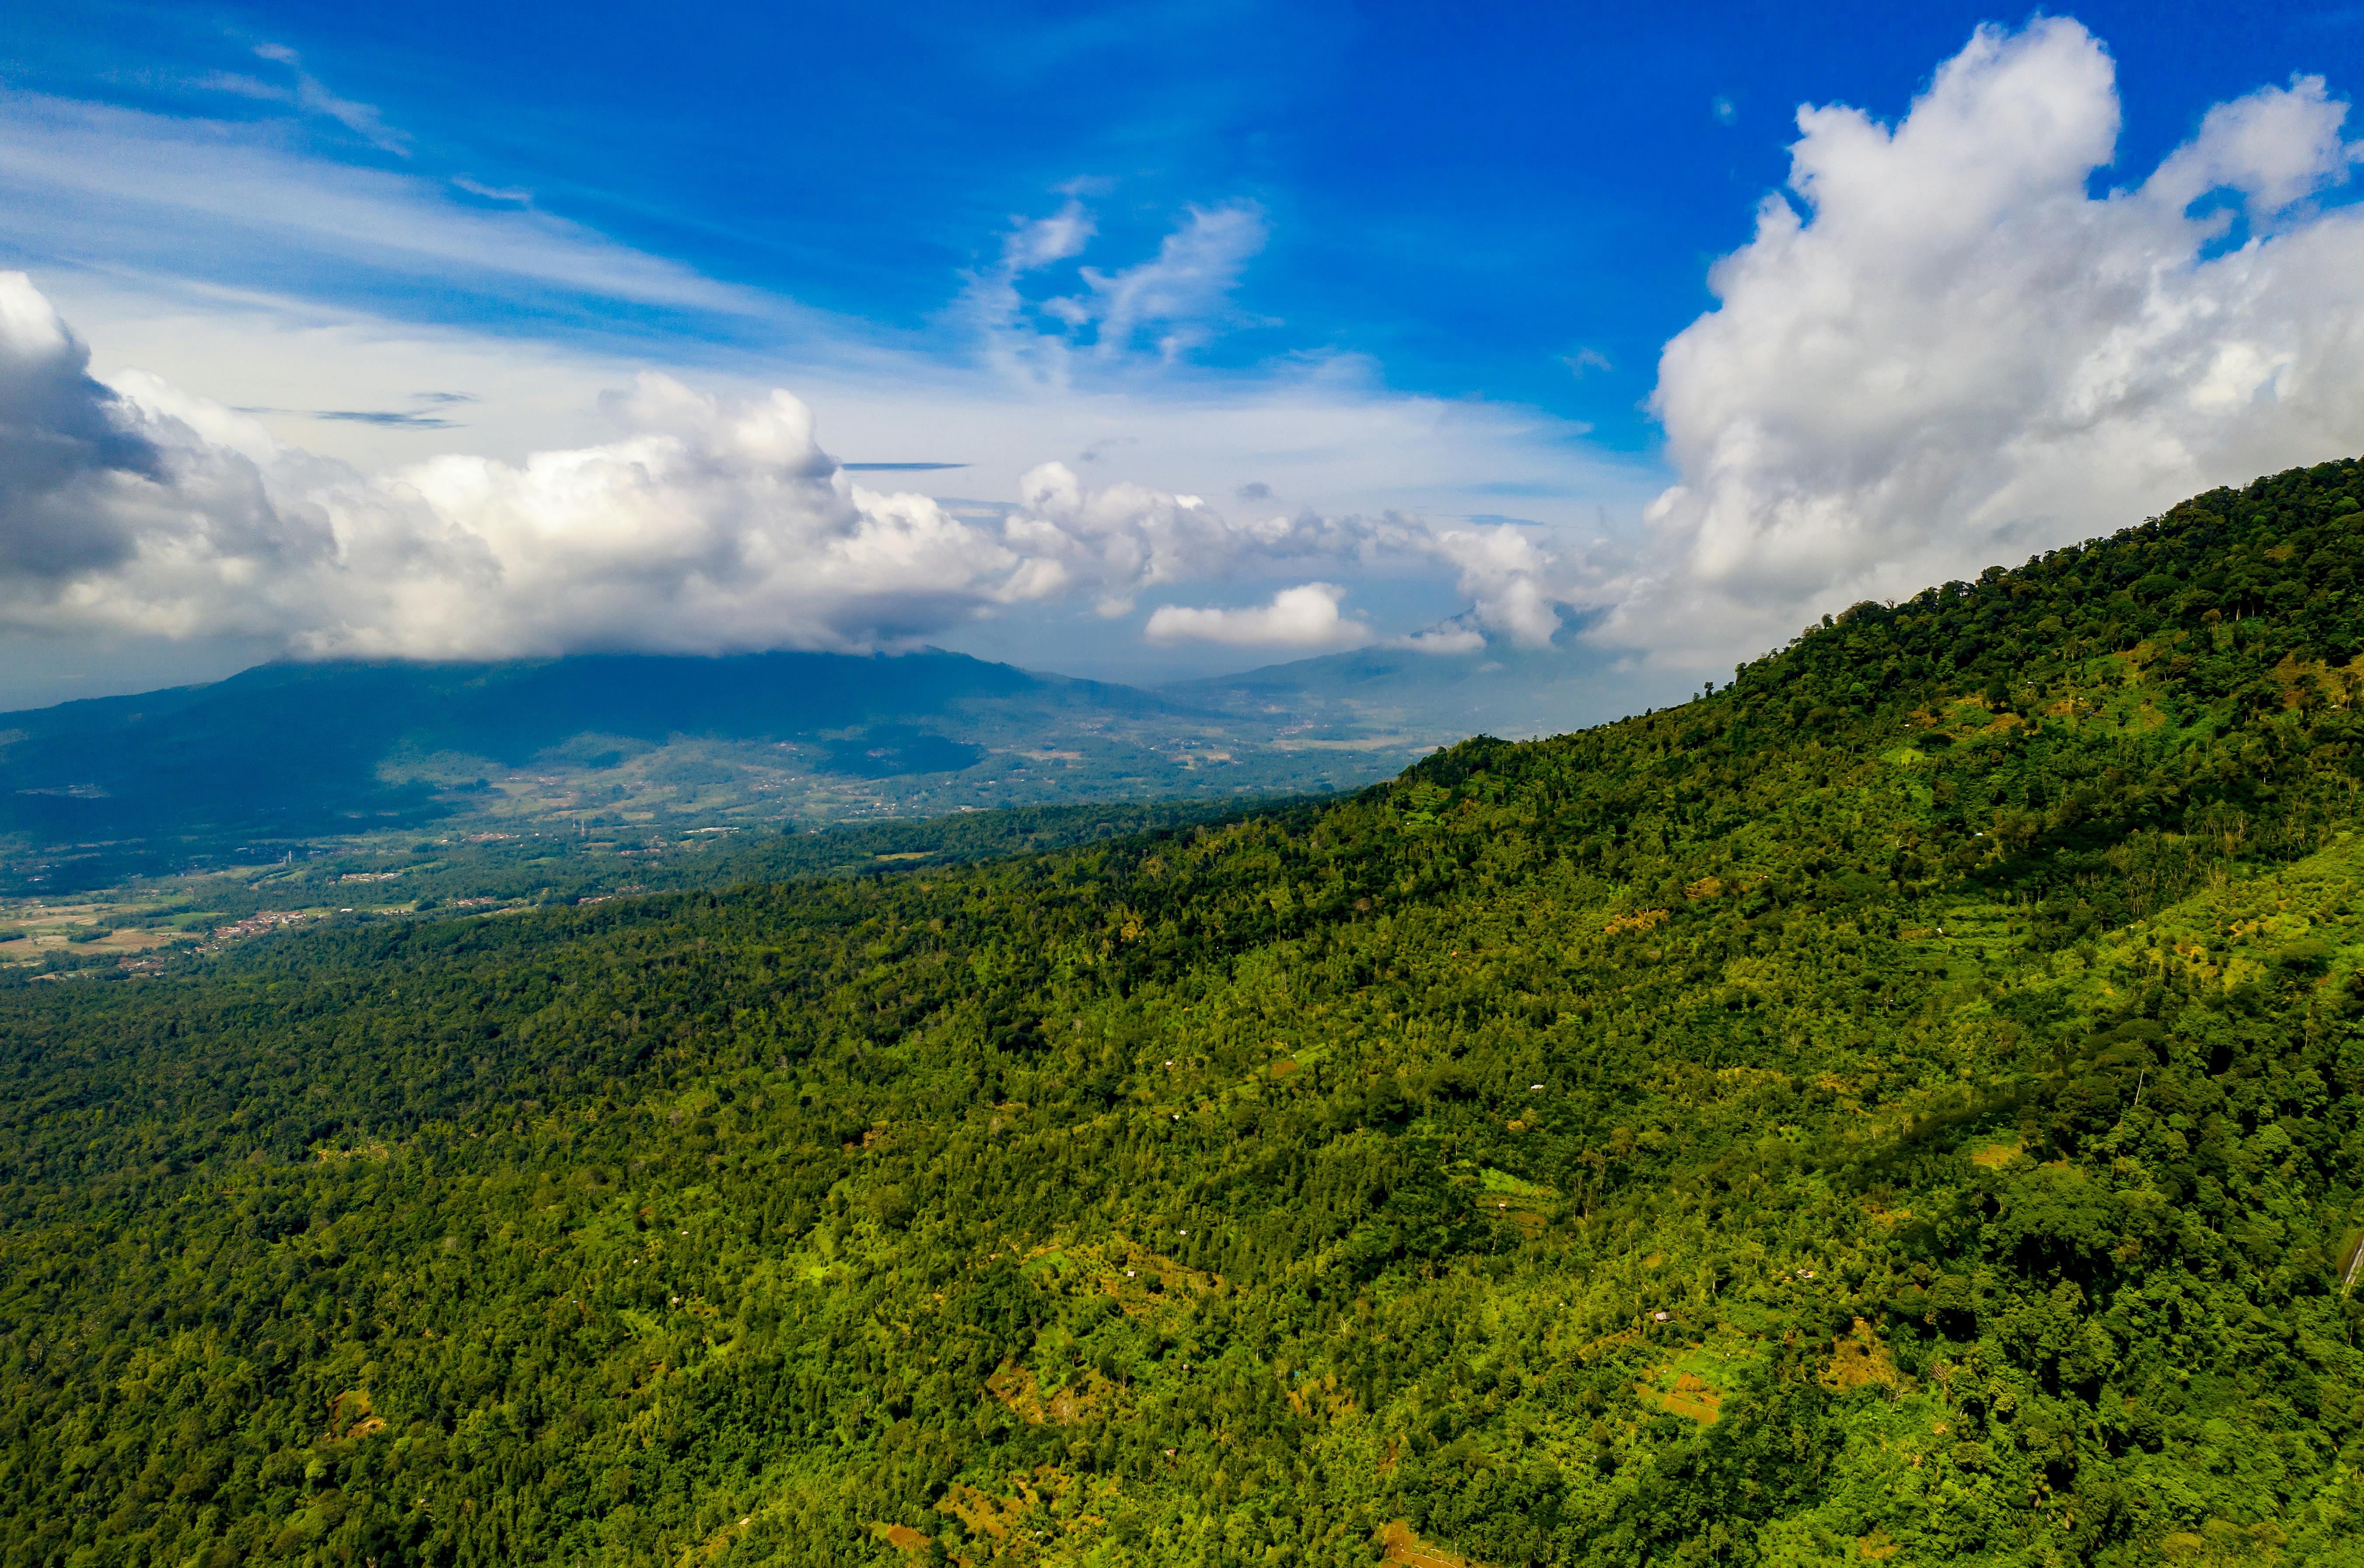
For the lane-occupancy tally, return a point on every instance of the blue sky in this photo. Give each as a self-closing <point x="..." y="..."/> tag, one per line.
<point x="1472" y="202"/>
<point x="1433" y="257"/>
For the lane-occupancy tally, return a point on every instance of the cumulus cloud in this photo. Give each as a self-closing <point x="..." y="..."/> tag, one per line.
<point x="707" y="524"/>
<point x="1509" y="577"/>
<point x="1947" y="352"/>
<point x="1304" y="619"/>
<point x="67" y="454"/>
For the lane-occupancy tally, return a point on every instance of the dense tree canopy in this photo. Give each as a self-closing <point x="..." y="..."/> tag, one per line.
<point x="1907" y="1105"/>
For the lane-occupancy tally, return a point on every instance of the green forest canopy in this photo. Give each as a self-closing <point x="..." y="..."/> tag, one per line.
<point x="1904" y="1105"/>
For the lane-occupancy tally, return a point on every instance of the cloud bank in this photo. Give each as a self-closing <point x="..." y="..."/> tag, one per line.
<point x="1947" y="352"/>
<point x="708" y="524"/>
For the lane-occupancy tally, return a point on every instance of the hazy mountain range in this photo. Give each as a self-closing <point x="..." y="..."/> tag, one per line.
<point x="289" y="751"/>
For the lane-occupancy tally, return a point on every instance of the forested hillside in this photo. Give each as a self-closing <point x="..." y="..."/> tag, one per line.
<point x="1907" y="1105"/>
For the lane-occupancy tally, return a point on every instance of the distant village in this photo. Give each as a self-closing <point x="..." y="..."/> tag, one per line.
<point x="263" y="920"/>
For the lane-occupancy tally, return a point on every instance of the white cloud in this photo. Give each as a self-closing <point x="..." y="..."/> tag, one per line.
<point x="1303" y="619"/>
<point x="705" y="523"/>
<point x="1956" y="355"/>
<point x="1326" y="435"/>
<point x="1516" y="585"/>
<point x="706" y="526"/>
<point x="2275" y="147"/>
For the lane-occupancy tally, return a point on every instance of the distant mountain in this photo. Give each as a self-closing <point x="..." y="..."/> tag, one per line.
<point x="288" y="753"/>
<point x="300" y="748"/>
<point x="1436" y="697"/>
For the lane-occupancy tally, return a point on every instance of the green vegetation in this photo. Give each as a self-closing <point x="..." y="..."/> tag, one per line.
<point x="1908" y="1106"/>
<point x="442" y="876"/>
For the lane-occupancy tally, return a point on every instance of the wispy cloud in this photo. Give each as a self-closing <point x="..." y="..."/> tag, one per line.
<point x="122" y="187"/>
<point x="312" y="96"/>
<point x="424" y="417"/>
<point x="517" y="194"/>
<point x="1164" y="306"/>
<point x="1180" y="296"/>
<point x="1035" y="243"/>
<point x="392" y="417"/>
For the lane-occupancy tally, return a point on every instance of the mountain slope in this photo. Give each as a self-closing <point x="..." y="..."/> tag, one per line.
<point x="1908" y="1106"/>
